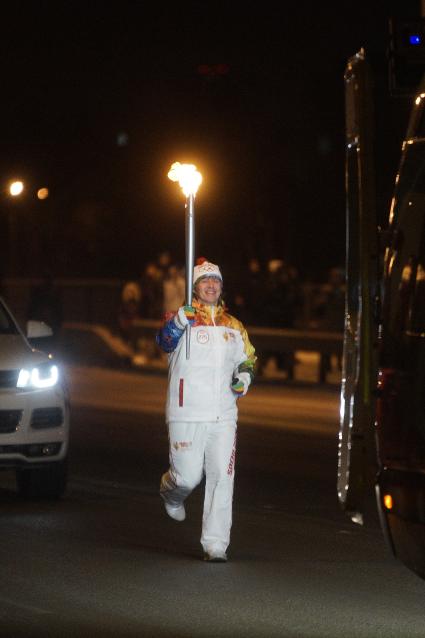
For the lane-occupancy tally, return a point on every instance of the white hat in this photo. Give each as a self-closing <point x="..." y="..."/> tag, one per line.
<point x="206" y="269"/>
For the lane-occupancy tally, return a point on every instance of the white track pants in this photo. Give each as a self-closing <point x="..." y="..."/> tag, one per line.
<point x="195" y="449"/>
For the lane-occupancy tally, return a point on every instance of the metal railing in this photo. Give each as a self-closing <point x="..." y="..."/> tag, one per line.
<point x="96" y="301"/>
<point x="272" y="340"/>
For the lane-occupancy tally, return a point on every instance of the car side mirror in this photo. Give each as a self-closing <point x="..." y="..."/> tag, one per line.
<point x="38" y="329"/>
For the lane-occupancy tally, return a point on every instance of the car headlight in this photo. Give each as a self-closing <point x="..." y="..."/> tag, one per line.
<point x="45" y="375"/>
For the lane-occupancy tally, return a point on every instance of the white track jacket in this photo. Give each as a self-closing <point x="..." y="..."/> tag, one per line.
<point x="199" y="388"/>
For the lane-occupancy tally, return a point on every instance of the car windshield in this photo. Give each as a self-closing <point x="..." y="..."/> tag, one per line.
<point x="7" y="325"/>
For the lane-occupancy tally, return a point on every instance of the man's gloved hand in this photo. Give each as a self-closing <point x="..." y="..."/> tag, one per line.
<point x="185" y="316"/>
<point x="240" y="383"/>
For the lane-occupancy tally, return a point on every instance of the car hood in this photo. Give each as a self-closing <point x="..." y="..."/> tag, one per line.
<point x="16" y="353"/>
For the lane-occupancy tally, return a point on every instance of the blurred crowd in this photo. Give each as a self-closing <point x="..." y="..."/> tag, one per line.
<point x="269" y="294"/>
<point x="264" y="294"/>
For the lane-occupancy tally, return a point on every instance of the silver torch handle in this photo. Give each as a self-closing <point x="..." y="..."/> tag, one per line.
<point x="190" y="259"/>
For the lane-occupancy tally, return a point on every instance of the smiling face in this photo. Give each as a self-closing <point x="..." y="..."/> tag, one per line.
<point x="208" y="290"/>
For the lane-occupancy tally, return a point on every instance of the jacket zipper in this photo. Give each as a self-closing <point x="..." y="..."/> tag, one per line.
<point x="217" y="366"/>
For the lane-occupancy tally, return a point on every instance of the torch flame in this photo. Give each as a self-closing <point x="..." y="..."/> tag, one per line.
<point x="187" y="176"/>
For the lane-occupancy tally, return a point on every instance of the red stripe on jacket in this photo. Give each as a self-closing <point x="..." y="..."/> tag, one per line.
<point x="181" y="393"/>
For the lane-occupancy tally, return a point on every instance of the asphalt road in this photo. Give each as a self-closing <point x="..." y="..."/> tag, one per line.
<point x="107" y="561"/>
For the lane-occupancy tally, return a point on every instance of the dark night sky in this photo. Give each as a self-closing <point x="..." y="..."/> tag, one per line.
<point x="268" y="135"/>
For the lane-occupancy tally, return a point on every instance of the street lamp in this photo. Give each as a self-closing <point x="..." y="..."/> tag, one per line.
<point x="15" y="189"/>
<point x="189" y="179"/>
<point x="43" y="193"/>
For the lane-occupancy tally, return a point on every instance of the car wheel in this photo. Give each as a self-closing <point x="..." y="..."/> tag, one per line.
<point x="48" y="481"/>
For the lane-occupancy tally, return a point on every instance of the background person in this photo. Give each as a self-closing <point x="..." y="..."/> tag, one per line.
<point x="281" y="301"/>
<point x="129" y="311"/>
<point x="152" y="285"/>
<point x="173" y="289"/>
<point x="46" y="305"/>
<point x="330" y="313"/>
<point x="201" y="407"/>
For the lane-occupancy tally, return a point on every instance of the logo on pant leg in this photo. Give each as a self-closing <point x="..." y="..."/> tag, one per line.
<point x="182" y="445"/>
<point x="232" y="458"/>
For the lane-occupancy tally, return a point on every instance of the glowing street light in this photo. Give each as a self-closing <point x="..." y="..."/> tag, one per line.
<point x="43" y="193"/>
<point x="16" y="188"/>
<point x="189" y="179"/>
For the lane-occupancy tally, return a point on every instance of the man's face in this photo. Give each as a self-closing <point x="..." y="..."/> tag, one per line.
<point x="208" y="290"/>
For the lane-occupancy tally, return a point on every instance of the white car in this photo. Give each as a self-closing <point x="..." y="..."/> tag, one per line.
<point x="34" y="410"/>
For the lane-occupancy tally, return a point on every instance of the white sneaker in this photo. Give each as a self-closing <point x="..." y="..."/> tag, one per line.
<point x="215" y="556"/>
<point x="178" y="513"/>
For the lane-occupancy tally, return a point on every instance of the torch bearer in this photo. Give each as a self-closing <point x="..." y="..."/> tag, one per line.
<point x="189" y="179"/>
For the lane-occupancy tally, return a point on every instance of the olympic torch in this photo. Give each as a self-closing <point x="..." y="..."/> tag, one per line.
<point x="189" y="180"/>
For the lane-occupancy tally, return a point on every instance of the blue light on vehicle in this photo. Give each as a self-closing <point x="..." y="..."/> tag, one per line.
<point x="415" y="39"/>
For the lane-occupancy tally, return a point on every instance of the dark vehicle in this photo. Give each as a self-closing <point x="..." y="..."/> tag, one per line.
<point x="381" y="457"/>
